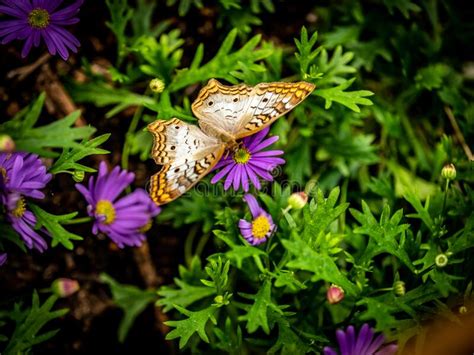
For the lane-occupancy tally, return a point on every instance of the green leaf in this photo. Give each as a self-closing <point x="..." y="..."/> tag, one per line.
<point x="53" y="224"/>
<point x="195" y="323"/>
<point x="67" y="162"/>
<point x="29" y="323"/>
<point x="350" y="99"/>
<point x="120" y="14"/>
<point x="288" y="341"/>
<point x="306" y="55"/>
<point x="131" y="300"/>
<point x="183" y="296"/>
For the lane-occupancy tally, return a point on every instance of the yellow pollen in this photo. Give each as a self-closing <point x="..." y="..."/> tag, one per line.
<point x="105" y="208"/>
<point x="260" y="227"/>
<point x="38" y="18"/>
<point x="146" y="227"/>
<point x="242" y="156"/>
<point x="20" y="208"/>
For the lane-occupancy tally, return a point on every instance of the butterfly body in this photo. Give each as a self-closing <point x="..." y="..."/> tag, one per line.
<point x="226" y="114"/>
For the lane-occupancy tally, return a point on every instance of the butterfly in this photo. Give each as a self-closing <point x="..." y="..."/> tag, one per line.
<point x="226" y="114"/>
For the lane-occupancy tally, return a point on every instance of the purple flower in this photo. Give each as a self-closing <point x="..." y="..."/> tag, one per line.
<point x="125" y="219"/>
<point x="361" y="344"/>
<point x="23" y="173"/>
<point x="24" y="221"/>
<point x="3" y="258"/>
<point x="249" y="162"/>
<point x="36" y="19"/>
<point x="261" y="227"/>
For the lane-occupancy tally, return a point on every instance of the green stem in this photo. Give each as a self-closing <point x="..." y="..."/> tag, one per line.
<point x="446" y="187"/>
<point x="78" y="220"/>
<point x="342" y="217"/>
<point x="188" y="245"/>
<point x="201" y="244"/>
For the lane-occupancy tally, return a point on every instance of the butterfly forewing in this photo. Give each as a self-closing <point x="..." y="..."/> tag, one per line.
<point x="186" y="153"/>
<point x="239" y="111"/>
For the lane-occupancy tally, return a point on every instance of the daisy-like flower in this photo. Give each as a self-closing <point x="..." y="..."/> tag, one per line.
<point x="249" y="162"/>
<point x="125" y="219"/>
<point x="363" y="343"/>
<point x="23" y="175"/>
<point x="261" y="227"/>
<point x="24" y="221"/>
<point x="3" y="258"/>
<point x="40" y="19"/>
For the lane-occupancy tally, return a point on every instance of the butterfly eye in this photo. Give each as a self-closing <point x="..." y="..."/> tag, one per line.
<point x="210" y="103"/>
<point x="236" y="99"/>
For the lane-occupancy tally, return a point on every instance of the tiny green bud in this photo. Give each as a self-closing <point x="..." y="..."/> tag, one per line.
<point x="157" y="85"/>
<point x="219" y="299"/>
<point x="399" y="288"/>
<point x="298" y="200"/>
<point x="335" y="294"/>
<point x="7" y="144"/>
<point x="462" y="310"/>
<point x="64" y="287"/>
<point x="448" y="172"/>
<point x="78" y="175"/>
<point x="441" y="260"/>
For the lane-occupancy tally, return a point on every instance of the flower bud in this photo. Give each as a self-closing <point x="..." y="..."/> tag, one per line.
<point x="399" y="288"/>
<point x="157" y="85"/>
<point x="298" y="200"/>
<point x="448" y="172"/>
<point x="335" y="294"/>
<point x="78" y="175"/>
<point x="219" y="299"/>
<point x="462" y="310"/>
<point x="7" y="144"/>
<point x="64" y="287"/>
<point x="441" y="260"/>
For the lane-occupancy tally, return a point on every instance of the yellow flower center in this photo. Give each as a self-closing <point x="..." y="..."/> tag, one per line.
<point x="20" y="208"/>
<point x="260" y="227"/>
<point x="38" y="18"/>
<point x="146" y="227"/>
<point x="242" y="155"/>
<point x="105" y="208"/>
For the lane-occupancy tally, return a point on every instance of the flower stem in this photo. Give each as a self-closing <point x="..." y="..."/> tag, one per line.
<point x="188" y="245"/>
<point x="78" y="220"/>
<point x="446" y="187"/>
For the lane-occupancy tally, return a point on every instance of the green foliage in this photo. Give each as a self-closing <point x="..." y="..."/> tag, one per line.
<point x="29" y="322"/>
<point x="131" y="300"/>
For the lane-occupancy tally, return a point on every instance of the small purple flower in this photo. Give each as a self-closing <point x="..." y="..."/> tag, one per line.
<point x="249" y="162"/>
<point x="261" y="227"/>
<point x="3" y="258"/>
<point x="361" y="344"/>
<point x="23" y="173"/>
<point x="24" y="221"/>
<point x="125" y="219"/>
<point x="36" y="19"/>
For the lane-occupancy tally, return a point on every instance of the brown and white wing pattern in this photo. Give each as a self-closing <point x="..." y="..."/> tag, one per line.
<point x="242" y="110"/>
<point x="186" y="153"/>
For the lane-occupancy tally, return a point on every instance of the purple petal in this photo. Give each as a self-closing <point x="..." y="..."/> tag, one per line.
<point x="341" y="339"/>
<point x="267" y="142"/>
<point x="329" y="351"/>
<point x="254" y="207"/>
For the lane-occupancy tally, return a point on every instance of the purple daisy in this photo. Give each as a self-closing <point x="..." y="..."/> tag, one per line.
<point x="125" y="219"/>
<point x="249" y="162"/>
<point x="3" y="258"/>
<point x="36" y="19"/>
<point x="23" y="173"/>
<point x="361" y="344"/>
<point x="24" y="221"/>
<point x="261" y="227"/>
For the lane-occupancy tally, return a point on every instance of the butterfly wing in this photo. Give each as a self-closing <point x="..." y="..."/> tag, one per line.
<point x="187" y="155"/>
<point x="240" y="110"/>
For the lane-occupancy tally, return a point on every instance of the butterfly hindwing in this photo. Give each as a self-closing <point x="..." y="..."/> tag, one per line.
<point x="186" y="153"/>
<point x="242" y="110"/>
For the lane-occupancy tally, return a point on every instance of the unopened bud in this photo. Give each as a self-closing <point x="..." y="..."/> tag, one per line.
<point x="462" y="310"/>
<point x="7" y="144"/>
<point x="441" y="260"/>
<point x="157" y="85"/>
<point x="399" y="288"/>
<point x="335" y="294"/>
<point x="448" y="172"/>
<point x="298" y="200"/>
<point x="64" y="287"/>
<point x="78" y="175"/>
<point x="219" y="299"/>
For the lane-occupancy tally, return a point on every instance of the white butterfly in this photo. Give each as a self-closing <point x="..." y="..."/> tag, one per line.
<point x="226" y="114"/>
